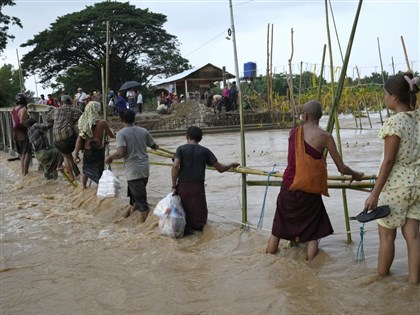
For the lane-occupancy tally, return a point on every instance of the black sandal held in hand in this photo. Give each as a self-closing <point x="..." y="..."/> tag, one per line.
<point x="377" y="213"/>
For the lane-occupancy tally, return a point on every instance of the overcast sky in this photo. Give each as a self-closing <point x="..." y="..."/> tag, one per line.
<point x="202" y="27"/>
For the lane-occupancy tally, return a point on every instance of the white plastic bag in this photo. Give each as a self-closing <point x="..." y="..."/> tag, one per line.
<point x="171" y="216"/>
<point x="108" y="185"/>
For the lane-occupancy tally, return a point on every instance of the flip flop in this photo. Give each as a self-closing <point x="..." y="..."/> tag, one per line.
<point x="377" y="213"/>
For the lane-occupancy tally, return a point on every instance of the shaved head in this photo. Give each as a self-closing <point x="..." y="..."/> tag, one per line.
<point x="313" y="109"/>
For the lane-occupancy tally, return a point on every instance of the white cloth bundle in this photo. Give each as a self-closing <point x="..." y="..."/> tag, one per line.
<point x="108" y="185"/>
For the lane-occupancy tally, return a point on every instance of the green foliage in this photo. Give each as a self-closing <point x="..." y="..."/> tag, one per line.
<point x="9" y="85"/>
<point x="5" y="23"/>
<point x="73" y="50"/>
<point x="356" y="96"/>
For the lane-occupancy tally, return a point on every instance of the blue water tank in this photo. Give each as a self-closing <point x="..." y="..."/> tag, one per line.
<point x="250" y="70"/>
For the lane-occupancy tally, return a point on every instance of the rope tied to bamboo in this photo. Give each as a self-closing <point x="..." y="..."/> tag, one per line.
<point x="261" y="220"/>
<point x="360" y="249"/>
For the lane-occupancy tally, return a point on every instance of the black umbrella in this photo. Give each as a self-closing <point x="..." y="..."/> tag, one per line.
<point x="129" y="85"/>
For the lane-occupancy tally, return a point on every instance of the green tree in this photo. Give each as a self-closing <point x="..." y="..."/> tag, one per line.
<point x="5" y="23"/>
<point x="9" y="85"/>
<point x="73" y="50"/>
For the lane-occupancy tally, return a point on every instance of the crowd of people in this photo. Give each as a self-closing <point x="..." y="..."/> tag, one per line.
<point x="132" y="100"/>
<point x="300" y="214"/>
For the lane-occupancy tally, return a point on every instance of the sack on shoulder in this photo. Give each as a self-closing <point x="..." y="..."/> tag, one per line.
<point x="311" y="174"/>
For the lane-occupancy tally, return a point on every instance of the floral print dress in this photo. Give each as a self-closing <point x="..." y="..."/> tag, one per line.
<point x="402" y="188"/>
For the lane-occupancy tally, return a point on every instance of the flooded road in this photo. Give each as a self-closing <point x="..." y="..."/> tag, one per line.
<point x="65" y="252"/>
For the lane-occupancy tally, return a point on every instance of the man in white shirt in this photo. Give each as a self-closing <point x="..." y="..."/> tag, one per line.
<point x="42" y="100"/>
<point x="139" y="101"/>
<point x="80" y="99"/>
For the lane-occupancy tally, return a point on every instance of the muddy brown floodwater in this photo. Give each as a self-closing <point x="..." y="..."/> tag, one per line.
<point x="65" y="252"/>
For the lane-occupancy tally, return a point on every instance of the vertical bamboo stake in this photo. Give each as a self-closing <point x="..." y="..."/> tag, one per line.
<point x="355" y="120"/>
<point x="380" y="108"/>
<point x="393" y="65"/>
<point x="337" y="96"/>
<point x="292" y="99"/>
<point x="241" y="116"/>
<point x="359" y="111"/>
<point x="36" y="86"/>
<point x="368" y="116"/>
<point x="105" y="91"/>
<point x="300" y="83"/>
<point x="405" y="54"/>
<point x="331" y="63"/>
<point x="321" y="75"/>
<point x="344" y="70"/>
<point x="268" y="66"/>
<point x="383" y="76"/>
<point x="271" y="68"/>
<point x="22" y="87"/>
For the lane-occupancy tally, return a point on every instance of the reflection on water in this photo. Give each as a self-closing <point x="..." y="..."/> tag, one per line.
<point x="64" y="251"/>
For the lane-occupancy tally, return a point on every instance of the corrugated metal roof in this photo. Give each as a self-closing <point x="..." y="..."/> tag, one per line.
<point x="210" y="75"/>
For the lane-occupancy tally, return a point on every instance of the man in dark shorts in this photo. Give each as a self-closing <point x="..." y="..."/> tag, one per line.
<point x="188" y="175"/>
<point x="64" y="119"/>
<point x="132" y="143"/>
<point x="300" y="215"/>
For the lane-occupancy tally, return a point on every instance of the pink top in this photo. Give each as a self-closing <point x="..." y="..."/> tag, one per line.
<point x="225" y="92"/>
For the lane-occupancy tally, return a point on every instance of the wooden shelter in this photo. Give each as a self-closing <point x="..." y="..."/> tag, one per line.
<point x="194" y="82"/>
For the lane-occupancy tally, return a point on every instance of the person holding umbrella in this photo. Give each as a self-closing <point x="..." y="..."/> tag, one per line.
<point x="132" y="100"/>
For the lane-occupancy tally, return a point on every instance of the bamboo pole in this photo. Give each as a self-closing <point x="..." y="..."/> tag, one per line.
<point x="241" y="116"/>
<point x="379" y="108"/>
<point x="333" y="185"/>
<point x="340" y="86"/>
<point x="251" y="171"/>
<point x="21" y="85"/>
<point x="405" y="53"/>
<point x="382" y="75"/>
<point x="368" y="116"/>
<point x="321" y="75"/>
<point x="271" y="67"/>
<point x="292" y="99"/>
<point x="105" y="92"/>
<point x="331" y="64"/>
<point x="268" y="66"/>
<point x="300" y="84"/>
<point x="337" y="96"/>
<point x="359" y="111"/>
<point x="393" y="65"/>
